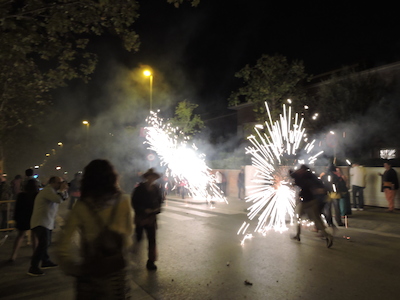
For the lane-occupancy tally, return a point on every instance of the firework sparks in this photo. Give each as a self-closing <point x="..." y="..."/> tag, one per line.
<point x="275" y="146"/>
<point x="182" y="159"/>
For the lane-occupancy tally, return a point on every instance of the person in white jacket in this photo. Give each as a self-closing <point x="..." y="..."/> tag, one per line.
<point x="357" y="179"/>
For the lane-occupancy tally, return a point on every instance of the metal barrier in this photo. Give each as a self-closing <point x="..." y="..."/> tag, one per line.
<point x="7" y="213"/>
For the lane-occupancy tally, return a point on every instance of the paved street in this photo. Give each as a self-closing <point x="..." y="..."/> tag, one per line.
<point x="200" y="257"/>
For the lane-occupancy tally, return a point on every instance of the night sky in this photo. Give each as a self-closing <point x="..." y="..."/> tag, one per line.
<point x="195" y="51"/>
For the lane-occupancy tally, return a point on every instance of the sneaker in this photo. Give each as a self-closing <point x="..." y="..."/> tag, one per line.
<point x="35" y="272"/>
<point x="354" y="208"/>
<point x="151" y="266"/>
<point x="49" y="265"/>
<point x="361" y="209"/>
<point x="329" y="241"/>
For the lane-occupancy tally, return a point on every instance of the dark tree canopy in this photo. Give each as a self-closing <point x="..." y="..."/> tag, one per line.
<point x="43" y="45"/>
<point x="273" y="79"/>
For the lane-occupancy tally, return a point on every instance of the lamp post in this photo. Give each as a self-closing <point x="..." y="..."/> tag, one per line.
<point x="87" y="124"/>
<point x="148" y="73"/>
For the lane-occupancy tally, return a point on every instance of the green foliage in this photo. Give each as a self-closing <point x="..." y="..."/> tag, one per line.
<point x="185" y="120"/>
<point x="177" y="3"/>
<point x="347" y="95"/>
<point x="43" y="45"/>
<point x="272" y="79"/>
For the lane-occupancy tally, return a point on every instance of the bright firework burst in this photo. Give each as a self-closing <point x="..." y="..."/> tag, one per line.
<point x="183" y="160"/>
<point x="274" y="146"/>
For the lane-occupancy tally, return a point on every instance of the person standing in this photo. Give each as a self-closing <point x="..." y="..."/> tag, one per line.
<point x="74" y="190"/>
<point x="104" y="218"/>
<point x="16" y="186"/>
<point x="390" y="184"/>
<point x="240" y="184"/>
<point x="5" y="194"/>
<point x="22" y="215"/>
<point x="357" y="179"/>
<point x="146" y="202"/>
<point x="312" y="192"/>
<point x="333" y="185"/>
<point x="42" y="222"/>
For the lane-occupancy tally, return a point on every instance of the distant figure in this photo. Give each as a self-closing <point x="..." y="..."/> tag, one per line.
<point x="344" y="202"/>
<point x="42" y="222"/>
<point x="16" y="186"/>
<point x="311" y="195"/>
<point x="74" y="190"/>
<point x="334" y="187"/>
<point x="218" y="179"/>
<point x="103" y="218"/>
<point x="5" y="194"/>
<point x="390" y="184"/>
<point x="28" y="176"/>
<point x="357" y="179"/>
<point x="22" y="216"/>
<point x="240" y="184"/>
<point x="146" y="202"/>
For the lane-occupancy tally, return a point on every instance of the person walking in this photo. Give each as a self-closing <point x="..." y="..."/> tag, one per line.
<point x="5" y="194"/>
<point x="42" y="222"/>
<point x="358" y="183"/>
<point x="22" y="216"/>
<point x="104" y="218"/>
<point x="312" y="192"/>
<point x="390" y="184"/>
<point x="146" y="202"/>
<point x="240" y="184"/>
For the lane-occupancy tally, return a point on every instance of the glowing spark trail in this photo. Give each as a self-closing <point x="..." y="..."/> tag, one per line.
<point x="182" y="159"/>
<point x="273" y="147"/>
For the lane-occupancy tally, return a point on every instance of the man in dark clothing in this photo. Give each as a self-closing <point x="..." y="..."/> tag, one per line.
<point x="333" y="184"/>
<point x="390" y="184"/>
<point x="311" y="195"/>
<point x="146" y="202"/>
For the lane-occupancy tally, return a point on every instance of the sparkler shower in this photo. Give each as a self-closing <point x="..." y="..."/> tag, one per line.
<point x="275" y="146"/>
<point x="183" y="160"/>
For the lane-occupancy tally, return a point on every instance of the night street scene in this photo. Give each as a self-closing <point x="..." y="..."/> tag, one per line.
<point x="199" y="149"/>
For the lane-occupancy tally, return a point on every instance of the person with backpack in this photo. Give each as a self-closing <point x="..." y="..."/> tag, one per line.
<point x="103" y="217"/>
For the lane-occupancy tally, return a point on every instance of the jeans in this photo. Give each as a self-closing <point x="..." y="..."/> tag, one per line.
<point x="358" y="190"/>
<point x="44" y="239"/>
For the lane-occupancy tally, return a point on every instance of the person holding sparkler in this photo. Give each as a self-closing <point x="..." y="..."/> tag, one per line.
<point x="311" y="195"/>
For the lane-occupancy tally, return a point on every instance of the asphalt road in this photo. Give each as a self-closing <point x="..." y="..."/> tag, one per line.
<point x="201" y="257"/>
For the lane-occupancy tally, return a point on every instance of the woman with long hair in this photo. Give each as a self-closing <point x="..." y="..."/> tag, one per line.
<point x="22" y="215"/>
<point x="103" y="218"/>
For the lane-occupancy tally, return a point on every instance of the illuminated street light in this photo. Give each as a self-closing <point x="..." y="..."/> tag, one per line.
<point x="87" y="124"/>
<point x="148" y="73"/>
<point x="60" y="144"/>
<point x="58" y="168"/>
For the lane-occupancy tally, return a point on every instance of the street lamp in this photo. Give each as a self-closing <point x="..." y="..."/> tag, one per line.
<point x="87" y="124"/>
<point x="148" y="73"/>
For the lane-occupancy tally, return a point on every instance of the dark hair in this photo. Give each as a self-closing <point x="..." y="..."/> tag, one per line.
<point x="99" y="180"/>
<point x="28" y="172"/>
<point x="52" y="179"/>
<point x="31" y="186"/>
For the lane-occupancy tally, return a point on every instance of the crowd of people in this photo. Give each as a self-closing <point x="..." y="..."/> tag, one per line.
<point x="110" y="222"/>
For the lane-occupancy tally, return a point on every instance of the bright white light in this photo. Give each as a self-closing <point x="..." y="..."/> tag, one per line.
<point x="272" y="194"/>
<point x="182" y="159"/>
